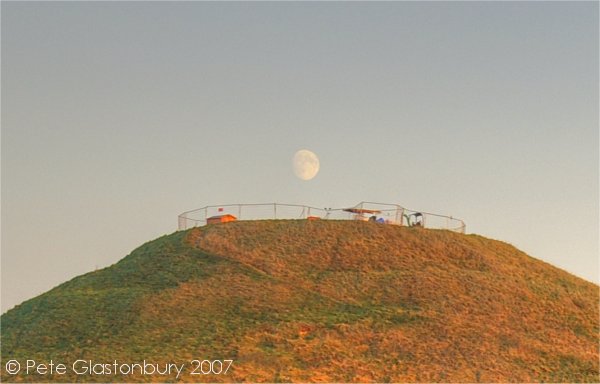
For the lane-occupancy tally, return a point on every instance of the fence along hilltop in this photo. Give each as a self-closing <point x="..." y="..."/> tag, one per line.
<point x="382" y="212"/>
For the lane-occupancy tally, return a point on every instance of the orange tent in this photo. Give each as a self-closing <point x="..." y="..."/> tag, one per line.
<point x="221" y="219"/>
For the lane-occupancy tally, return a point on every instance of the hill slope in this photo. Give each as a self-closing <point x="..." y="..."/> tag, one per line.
<point x="317" y="301"/>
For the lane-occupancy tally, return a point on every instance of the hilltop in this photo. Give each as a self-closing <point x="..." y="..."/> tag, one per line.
<point x="297" y="300"/>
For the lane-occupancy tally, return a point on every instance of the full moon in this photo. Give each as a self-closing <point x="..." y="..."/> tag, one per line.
<point x="306" y="164"/>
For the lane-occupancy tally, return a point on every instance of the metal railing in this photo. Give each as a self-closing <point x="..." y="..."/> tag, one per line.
<point x="379" y="212"/>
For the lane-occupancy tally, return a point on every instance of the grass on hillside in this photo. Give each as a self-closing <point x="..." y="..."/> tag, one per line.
<point x="320" y="301"/>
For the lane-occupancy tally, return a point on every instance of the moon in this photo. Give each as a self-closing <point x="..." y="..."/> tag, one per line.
<point x="306" y="164"/>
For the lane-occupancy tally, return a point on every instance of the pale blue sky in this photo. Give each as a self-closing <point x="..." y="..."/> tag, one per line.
<point x="116" y="117"/>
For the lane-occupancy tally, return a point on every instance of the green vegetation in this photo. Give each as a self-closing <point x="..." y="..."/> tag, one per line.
<point x="318" y="301"/>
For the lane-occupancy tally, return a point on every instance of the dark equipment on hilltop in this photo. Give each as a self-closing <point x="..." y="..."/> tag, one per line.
<point x="415" y="220"/>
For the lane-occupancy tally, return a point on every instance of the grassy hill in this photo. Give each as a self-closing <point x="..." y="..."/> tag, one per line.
<point x="317" y="301"/>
